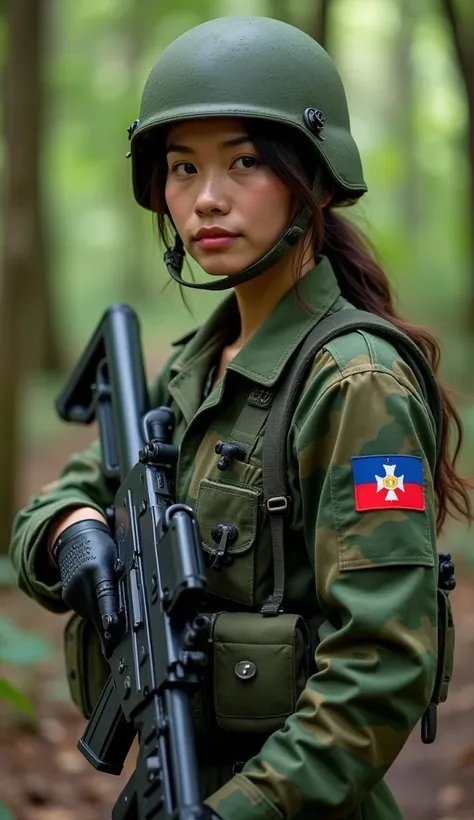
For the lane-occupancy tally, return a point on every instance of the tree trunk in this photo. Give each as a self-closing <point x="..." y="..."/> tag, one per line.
<point x="318" y="22"/>
<point x="49" y="356"/>
<point x="23" y="266"/>
<point x="404" y="125"/>
<point x="135" y="278"/>
<point x="315" y="22"/>
<point x="470" y="153"/>
<point x="280" y="10"/>
<point x="463" y="38"/>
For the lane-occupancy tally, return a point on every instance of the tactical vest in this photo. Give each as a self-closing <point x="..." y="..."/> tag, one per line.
<point x="252" y="634"/>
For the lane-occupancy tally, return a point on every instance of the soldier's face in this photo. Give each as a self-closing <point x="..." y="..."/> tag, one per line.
<point x="228" y="207"/>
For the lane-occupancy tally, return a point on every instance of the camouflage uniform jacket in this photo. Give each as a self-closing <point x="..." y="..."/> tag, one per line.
<point x="370" y="575"/>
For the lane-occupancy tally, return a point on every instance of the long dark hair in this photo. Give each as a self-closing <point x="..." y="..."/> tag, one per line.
<point x="360" y="276"/>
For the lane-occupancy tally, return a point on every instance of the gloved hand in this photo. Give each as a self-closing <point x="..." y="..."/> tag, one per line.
<point x="86" y="553"/>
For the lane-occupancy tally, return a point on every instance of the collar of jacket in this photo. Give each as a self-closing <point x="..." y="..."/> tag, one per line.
<point x="265" y="354"/>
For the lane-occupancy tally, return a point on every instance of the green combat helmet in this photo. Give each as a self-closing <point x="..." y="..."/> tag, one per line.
<point x="249" y="67"/>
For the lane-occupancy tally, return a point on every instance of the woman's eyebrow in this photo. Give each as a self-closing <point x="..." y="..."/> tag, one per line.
<point x="180" y="149"/>
<point x="235" y="141"/>
<point x="184" y="149"/>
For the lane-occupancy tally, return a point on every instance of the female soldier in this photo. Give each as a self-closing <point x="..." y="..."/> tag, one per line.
<point x="243" y="147"/>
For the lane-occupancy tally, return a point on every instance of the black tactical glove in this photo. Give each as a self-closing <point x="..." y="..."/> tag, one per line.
<point x="86" y="553"/>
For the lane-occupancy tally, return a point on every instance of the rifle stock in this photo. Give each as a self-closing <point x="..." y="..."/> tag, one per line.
<point x="156" y="662"/>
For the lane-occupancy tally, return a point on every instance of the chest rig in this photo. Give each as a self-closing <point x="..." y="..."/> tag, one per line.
<point x="275" y="408"/>
<point x="240" y="700"/>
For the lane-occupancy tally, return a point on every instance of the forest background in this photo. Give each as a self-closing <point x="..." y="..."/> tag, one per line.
<point x="74" y="241"/>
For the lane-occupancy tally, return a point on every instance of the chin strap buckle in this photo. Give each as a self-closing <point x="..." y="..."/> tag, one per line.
<point x="174" y="257"/>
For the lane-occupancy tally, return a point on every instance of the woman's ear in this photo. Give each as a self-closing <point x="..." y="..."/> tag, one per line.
<point x="327" y="197"/>
<point x="323" y="191"/>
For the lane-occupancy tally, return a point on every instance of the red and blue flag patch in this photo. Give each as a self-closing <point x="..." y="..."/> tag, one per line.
<point x="388" y="482"/>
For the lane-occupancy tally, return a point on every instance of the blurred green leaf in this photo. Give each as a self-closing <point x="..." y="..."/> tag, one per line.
<point x="5" y="814"/>
<point x="15" y="697"/>
<point x="21" y="648"/>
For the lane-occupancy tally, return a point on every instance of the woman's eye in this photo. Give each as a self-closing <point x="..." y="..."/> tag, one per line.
<point x="246" y="162"/>
<point x="182" y="169"/>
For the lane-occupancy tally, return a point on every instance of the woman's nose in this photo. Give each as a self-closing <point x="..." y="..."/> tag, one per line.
<point x="211" y="198"/>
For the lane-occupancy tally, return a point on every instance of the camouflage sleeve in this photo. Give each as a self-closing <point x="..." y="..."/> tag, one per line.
<point x="82" y="483"/>
<point x="376" y="585"/>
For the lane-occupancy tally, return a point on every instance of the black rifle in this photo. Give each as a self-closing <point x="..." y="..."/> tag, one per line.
<point x="157" y="640"/>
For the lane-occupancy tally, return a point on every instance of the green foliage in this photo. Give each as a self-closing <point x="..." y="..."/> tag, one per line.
<point x="16" y="698"/>
<point x="5" y="814"/>
<point x="20" y="648"/>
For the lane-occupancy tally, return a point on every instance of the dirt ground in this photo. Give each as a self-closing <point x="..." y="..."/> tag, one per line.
<point x="44" y="777"/>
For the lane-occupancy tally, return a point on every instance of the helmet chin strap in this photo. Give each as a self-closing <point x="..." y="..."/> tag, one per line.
<point x="174" y="258"/>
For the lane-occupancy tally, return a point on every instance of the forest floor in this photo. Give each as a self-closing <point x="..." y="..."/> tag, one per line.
<point x="44" y="777"/>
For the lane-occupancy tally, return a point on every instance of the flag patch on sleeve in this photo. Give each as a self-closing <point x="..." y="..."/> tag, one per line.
<point x="388" y="482"/>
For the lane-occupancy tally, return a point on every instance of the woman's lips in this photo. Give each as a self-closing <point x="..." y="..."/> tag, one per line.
<point x="210" y="243"/>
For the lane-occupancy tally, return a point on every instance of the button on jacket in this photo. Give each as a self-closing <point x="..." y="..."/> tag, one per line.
<point x="369" y="576"/>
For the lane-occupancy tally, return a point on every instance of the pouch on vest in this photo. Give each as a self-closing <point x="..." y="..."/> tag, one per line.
<point x="238" y="504"/>
<point x="86" y="668"/>
<point x="250" y="654"/>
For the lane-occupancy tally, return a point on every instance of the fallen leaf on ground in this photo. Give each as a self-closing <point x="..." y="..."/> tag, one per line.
<point x="71" y="761"/>
<point x="450" y="796"/>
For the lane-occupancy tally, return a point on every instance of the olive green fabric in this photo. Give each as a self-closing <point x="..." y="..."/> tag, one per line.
<point x="249" y="67"/>
<point x="86" y="668"/>
<point x="370" y="577"/>
<point x="250" y="653"/>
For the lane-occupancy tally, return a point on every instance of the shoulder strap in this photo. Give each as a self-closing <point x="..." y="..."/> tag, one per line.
<point x="275" y="484"/>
